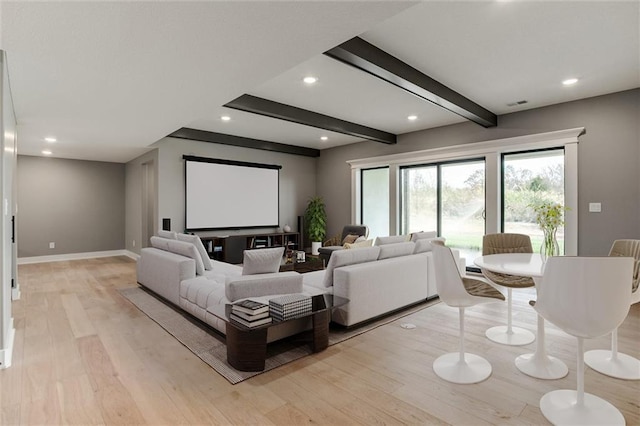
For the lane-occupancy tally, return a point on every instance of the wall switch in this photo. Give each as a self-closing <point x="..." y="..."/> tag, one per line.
<point x="134" y="243"/>
<point x="595" y="207"/>
<point x="52" y="245"/>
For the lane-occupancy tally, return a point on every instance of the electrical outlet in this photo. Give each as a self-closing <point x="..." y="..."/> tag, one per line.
<point x="52" y="245"/>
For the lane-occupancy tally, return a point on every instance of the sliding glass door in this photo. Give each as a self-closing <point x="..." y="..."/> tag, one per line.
<point x="375" y="201"/>
<point x="448" y="198"/>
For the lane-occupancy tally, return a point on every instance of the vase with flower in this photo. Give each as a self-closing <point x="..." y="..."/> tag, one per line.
<point x="549" y="216"/>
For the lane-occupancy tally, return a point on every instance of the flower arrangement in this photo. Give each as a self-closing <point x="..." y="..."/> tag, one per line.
<point x="549" y="216"/>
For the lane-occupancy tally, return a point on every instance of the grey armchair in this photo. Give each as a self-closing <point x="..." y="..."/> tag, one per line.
<point x="337" y="242"/>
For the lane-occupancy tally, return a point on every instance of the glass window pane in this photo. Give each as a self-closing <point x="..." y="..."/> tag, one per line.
<point x="462" y="216"/>
<point x="375" y="201"/>
<point x="419" y="198"/>
<point x="528" y="179"/>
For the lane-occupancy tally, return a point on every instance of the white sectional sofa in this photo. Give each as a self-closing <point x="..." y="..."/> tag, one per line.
<point x="376" y="280"/>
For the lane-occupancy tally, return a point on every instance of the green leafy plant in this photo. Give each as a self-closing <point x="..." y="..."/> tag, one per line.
<point x="549" y="216"/>
<point x="315" y="219"/>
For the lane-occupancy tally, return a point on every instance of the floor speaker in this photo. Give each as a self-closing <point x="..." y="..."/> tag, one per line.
<point x="166" y="224"/>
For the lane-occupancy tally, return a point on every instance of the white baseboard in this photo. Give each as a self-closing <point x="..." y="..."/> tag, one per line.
<point x="6" y="353"/>
<point x="77" y="256"/>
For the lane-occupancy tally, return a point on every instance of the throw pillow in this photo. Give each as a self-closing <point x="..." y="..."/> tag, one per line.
<point x="424" y="245"/>
<point x="393" y="239"/>
<point x="196" y="241"/>
<point x="188" y="250"/>
<point x="388" y="251"/>
<point x="421" y="235"/>
<point x="159" y="243"/>
<point x="348" y="257"/>
<point x="350" y="239"/>
<point x="365" y="243"/>
<point x="167" y="234"/>
<point x="262" y="261"/>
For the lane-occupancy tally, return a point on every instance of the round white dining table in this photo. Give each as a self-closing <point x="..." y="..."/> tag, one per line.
<point x="538" y="364"/>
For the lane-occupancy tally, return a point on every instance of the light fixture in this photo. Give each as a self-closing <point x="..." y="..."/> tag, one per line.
<point x="225" y="118"/>
<point x="570" y="81"/>
<point x="309" y="80"/>
<point x="412" y="117"/>
<point x="46" y="152"/>
<point x="324" y="138"/>
<point x="50" y="139"/>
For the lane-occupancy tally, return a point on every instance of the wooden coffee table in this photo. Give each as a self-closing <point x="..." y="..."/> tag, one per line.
<point x="247" y="347"/>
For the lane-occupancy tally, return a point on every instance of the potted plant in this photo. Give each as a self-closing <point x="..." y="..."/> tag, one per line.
<point x="315" y="219"/>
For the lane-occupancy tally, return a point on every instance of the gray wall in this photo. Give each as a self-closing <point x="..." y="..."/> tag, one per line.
<point x="79" y="205"/>
<point x="608" y="161"/>
<point x="297" y="182"/>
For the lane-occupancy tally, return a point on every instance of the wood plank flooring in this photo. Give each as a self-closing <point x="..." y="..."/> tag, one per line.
<point x="84" y="355"/>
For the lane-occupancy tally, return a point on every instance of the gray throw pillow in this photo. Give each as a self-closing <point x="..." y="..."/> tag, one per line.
<point x="388" y="251"/>
<point x="188" y="250"/>
<point x="262" y="261"/>
<point x="167" y="234"/>
<point x="196" y="241"/>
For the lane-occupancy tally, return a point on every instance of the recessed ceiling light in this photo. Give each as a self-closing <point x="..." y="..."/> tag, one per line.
<point x="46" y="152"/>
<point x="50" y="139"/>
<point x="412" y="117"/>
<point x="225" y="118"/>
<point x="309" y="80"/>
<point x="570" y="81"/>
<point x="324" y="138"/>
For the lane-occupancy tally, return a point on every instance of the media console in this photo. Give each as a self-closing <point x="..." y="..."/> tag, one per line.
<point x="230" y="248"/>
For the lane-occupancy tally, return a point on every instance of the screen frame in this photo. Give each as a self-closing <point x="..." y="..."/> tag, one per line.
<point x="222" y="161"/>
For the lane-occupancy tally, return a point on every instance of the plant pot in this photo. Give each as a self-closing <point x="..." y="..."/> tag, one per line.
<point x="315" y="245"/>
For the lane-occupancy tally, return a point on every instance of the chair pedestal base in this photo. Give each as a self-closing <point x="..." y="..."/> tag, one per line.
<point x="517" y="337"/>
<point x="622" y="367"/>
<point x="541" y="366"/>
<point x="474" y="369"/>
<point x="560" y="407"/>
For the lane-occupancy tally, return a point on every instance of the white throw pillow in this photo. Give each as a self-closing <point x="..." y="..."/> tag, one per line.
<point x="424" y="245"/>
<point x="262" y="261"/>
<point x="393" y="239"/>
<point x="167" y="234"/>
<point x="422" y="235"/>
<point x="189" y="250"/>
<point x="395" y="250"/>
<point x="159" y="243"/>
<point x="196" y="241"/>
<point x="348" y="257"/>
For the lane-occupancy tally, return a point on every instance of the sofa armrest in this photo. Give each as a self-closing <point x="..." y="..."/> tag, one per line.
<point x="244" y="286"/>
<point x="162" y="271"/>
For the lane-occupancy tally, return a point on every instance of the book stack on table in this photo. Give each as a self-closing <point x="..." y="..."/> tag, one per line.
<point x="289" y="306"/>
<point x="250" y="313"/>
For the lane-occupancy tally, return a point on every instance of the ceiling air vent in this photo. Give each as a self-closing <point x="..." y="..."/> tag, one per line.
<point x="522" y="102"/>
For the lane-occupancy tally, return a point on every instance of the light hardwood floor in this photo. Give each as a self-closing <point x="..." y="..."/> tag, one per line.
<point x="84" y="355"/>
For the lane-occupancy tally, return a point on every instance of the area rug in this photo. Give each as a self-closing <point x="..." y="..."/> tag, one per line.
<point x="209" y="345"/>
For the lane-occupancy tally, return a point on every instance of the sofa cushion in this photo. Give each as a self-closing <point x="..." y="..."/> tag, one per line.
<point x="421" y="235"/>
<point x="187" y="250"/>
<point x="395" y="250"/>
<point x="262" y="261"/>
<point x="196" y="241"/>
<point x="167" y="234"/>
<point x="159" y="243"/>
<point x="391" y="240"/>
<point x="360" y="244"/>
<point x="237" y="288"/>
<point x="348" y="257"/>
<point x="424" y="245"/>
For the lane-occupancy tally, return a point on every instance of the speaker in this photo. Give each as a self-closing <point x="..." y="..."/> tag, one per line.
<point x="166" y="224"/>
<point x="301" y="231"/>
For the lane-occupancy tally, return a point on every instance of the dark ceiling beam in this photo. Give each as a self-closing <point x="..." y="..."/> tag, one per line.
<point x="375" y="61"/>
<point x="266" y="107"/>
<point x="224" y="139"/>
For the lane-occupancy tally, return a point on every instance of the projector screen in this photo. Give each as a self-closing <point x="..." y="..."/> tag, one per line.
<point x="224" y="194"/>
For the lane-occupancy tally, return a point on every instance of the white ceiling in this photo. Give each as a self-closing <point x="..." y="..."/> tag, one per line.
<point x="110" y="79"/>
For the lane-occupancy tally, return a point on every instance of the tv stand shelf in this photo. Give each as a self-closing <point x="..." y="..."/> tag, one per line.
<point x="231" y="248"/>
